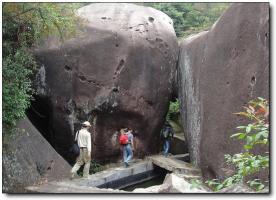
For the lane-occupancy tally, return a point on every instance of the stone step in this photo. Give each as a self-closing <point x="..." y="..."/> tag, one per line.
<point x="171" y="164"/>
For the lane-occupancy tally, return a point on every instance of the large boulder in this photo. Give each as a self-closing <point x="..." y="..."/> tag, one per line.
<point x="219" y="71"/>
<point x="29" y="159"/>
<point x="118" y="72"/>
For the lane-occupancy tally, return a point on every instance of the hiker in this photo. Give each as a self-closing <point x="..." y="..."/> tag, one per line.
<point x="126" y="140"/>
<point x="83" y="138"/>
<point x="166" y="134"/>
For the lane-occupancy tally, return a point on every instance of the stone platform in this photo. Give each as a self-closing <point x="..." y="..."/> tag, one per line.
<point x="176" y="165"/>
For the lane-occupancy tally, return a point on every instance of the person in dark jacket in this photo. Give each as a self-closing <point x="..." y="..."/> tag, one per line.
<point x="167" y="135"/>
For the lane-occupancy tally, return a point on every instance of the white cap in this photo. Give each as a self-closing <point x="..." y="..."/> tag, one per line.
<point x="86" y="123"/>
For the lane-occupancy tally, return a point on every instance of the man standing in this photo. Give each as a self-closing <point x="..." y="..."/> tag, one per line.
<point x="84" y="142"/>
<point x="166" y="135"/>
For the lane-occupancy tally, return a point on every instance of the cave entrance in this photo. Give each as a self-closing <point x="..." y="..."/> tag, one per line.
<point x="179" y="144"/>
<point x="39" y="114"/>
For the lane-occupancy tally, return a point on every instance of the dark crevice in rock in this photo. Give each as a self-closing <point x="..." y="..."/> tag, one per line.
<point x="41" y="169"/>
<point x="67" y="68"/>
<point x="149" y="102"/>
<point x="82" y="78"/>
<point x="159" y="40"/>
<point x="39" y="114"/>
<point x="253" y="80"/>
<point x="151" y="19"/>
<point x="115" y="89"/>
<point x="119" y="68"/>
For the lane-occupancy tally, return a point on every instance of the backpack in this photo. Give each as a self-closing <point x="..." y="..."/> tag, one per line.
<point x="123" y="139"/>
<point x="75" y="150"/>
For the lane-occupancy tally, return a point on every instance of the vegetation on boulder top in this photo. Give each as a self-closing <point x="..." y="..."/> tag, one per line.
<point x="24" y="24"/>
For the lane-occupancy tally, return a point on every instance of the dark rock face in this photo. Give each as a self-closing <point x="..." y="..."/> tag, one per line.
<point x="220" y="71"/>
<point x="29" y="159"/>
<point x="118" y="72"/>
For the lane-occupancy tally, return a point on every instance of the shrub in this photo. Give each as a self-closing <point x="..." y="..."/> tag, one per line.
<point x="174" y="111"/>
<point x="24" y="24"/>
<point x="255" y="133"/>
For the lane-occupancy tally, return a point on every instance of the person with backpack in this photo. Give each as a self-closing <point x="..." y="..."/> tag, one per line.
<point x="83" y="138"/>
<point x="126" y="140"/>
<point x="167" y="135"/>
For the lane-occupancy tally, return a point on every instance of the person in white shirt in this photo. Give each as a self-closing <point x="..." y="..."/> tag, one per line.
<point x="84" y="143"/>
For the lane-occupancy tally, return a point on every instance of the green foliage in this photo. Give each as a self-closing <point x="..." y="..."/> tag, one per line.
<point x="190" y="18"/>
<point x="173" y="110"/>
<point x="16" y="92"/>
<point x="94" y="168"/>
<point x="195" y="183"/>
<point x="24" y="24"/>
<point x="255" y="133"/>
<point x="256" y="184"/>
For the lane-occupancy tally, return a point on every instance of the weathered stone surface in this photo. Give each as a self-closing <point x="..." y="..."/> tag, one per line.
<point x="175" y="184"/>
<point x="174" y="165"/>
<point x="220" y="70"/>
<point x="178" y="145"/>
<point x="237" y="188"/>
<point x="29" y="159"/>
<point x="152" y="189"/>
<point x="117" y="73"/>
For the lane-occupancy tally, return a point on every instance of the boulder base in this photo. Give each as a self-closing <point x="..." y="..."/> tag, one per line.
<point x="29" y="159"/>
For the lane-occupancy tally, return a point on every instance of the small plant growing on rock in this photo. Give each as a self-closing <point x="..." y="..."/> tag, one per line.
<point x="174" y="110"/>
<point x="255" y="133"/>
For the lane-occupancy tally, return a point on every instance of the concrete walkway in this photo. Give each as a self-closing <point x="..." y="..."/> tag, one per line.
<point x="120" y="177"/>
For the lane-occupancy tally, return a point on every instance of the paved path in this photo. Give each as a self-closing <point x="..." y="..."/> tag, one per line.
<point x="120" y="177"/>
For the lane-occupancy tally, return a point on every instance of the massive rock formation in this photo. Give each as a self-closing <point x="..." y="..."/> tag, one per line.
<point x="29" y="159"/>
<point x="220" y="70"/>
<point x="118" y="72"/>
